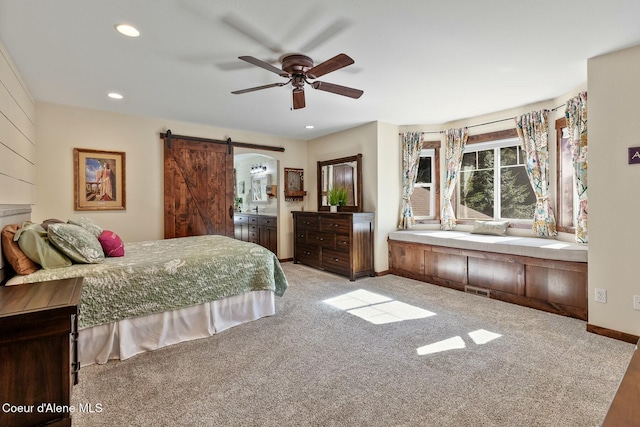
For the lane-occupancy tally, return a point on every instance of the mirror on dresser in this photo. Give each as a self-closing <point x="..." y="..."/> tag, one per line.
<point x="343" y="172"/>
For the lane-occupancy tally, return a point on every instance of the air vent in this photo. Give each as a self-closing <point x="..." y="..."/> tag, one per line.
<point x="478" y="291"/>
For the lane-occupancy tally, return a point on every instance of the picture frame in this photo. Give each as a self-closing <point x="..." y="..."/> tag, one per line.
<point x="99" y="180"/>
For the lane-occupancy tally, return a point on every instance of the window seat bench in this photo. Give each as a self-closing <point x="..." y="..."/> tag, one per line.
<point x="544" y="274"/>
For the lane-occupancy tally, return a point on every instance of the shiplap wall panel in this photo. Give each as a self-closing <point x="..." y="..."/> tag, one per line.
<point x="15" y="191"/>
<point x="17" y="136"/>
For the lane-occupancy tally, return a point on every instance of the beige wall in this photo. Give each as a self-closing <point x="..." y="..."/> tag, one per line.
<point x="61" y="128"/>
<point x="614" y="200"/>
<point x="17" y="136"/>
<point x="363" y="139"/>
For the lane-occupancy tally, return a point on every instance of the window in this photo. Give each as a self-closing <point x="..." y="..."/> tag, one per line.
<point x="566" y="191"/>
<point x="423" y="198"/>
<point x="485" y="191"/>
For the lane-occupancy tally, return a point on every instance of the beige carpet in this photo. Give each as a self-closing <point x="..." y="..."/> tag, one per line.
<point x="462" y="360"/>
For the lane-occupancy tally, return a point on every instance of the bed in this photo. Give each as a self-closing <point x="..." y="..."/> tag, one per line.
<point x="168" y="291"/>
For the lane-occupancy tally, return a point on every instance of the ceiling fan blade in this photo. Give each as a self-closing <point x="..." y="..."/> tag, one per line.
<point x="298" y="98"/>
<point x="340" y="90"/>
<point x="339" y="61"/>
<point x="265" y="65"/>
<point x="252" y="89"/>
<point x="331" y="31"/>
<point x="254" y="34"/>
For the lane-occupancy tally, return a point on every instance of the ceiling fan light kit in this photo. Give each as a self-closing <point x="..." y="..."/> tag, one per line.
<point x="299" y="69"/>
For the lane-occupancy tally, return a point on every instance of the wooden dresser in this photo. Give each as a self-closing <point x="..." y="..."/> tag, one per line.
<point x="259" y="229"/>
<point x="38" y="352"/>
<point x="341" y="242"/>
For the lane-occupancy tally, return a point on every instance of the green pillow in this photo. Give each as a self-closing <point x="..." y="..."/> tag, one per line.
<point x="88" y="224"/>
<point x="76" y="242"/>
<point x="33" y="241"/>
<point x="495" y="228"/>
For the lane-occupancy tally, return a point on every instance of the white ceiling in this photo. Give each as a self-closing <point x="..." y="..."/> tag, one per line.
<point x="418" y="61"/>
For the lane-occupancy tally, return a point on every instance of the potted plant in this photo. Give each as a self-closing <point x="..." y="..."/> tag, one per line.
<point x="337" y="196"/>
<point x="238" y="203"/>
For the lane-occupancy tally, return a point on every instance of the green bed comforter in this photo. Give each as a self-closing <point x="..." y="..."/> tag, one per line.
<point x="165" y="275"/>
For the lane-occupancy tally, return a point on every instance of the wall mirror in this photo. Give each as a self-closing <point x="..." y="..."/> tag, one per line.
<point x="344" y="172"/>
<point x="259" y="188"/>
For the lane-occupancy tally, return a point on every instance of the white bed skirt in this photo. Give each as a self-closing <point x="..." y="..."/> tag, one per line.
<point x="126" y="338"/>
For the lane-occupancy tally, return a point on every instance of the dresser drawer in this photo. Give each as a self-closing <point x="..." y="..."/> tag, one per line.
<point x="342" y="242"/>
<point x="267" y="221"/>
<point x="240" y="219"/>
<point x="335" y="261"/>
<point x="253" y="236"/>
<point x="307" y="254"/>
<point x="301" y="236"/>
<point x="326" y="240"/>
<point x="307" y="221"/>
<point x="335" y="225"/>
<point x="253" y="220"/>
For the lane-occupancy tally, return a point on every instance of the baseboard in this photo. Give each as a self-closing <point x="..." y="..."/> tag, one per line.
<point x="285" y="259"/>
<point x="610" y="333"/>
<point x="382" y="273"/>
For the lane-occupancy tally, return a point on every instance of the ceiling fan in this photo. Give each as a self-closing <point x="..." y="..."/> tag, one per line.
<point x="299" y="69"/>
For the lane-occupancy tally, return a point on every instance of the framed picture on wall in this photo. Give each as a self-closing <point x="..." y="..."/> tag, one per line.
<point x="99" y="180"/>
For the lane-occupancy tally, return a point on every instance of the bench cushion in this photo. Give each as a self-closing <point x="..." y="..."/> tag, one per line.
<point x="534" y="247"/>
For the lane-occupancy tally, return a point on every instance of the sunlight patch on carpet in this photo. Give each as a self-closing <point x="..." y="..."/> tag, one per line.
<point x="377" y="309"/>
<point x="444" y="345"/>
<point x="479" y="337"/>
<point x="482" y="336"/>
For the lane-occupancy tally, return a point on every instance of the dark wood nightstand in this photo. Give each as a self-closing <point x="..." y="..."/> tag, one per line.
<point x="38" y="352"/>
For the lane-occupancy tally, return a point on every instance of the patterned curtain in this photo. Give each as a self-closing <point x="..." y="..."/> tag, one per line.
<point x="456" y="139"/>
<point x="533" y="130"/>
<point x="576" y="114"/>
<point x="411" y="147"/>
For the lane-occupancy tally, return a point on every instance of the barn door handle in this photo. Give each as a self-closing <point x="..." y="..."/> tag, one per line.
<point x="231" y="211"/>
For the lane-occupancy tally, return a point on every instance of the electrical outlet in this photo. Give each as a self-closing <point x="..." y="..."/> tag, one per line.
<point x="636" y="302"/>
<point x="601" y="295"/>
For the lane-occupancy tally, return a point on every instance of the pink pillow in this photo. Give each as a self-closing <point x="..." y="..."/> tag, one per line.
<point x="111" y="244"/>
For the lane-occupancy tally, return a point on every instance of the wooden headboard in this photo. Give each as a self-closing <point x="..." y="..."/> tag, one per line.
<point x="11" y="214"/>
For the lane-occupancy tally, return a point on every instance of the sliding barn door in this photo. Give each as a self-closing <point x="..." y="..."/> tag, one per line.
<point x="198" y="187"/>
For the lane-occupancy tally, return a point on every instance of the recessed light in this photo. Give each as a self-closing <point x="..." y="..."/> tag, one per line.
<point x="127" y="30"/>
<point x="114" y="95"/>
<point x="309" y="127"/>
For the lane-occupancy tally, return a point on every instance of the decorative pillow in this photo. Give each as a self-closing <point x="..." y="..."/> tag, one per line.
<point x="88" y="224"/>
<point x="76" y="242"/>
<point x="112" y="244"/>
<point x="47" y="222"/>
<point x="17" y="259"/>
<point x="496" y="228"/>
<point x="33" y="241"/>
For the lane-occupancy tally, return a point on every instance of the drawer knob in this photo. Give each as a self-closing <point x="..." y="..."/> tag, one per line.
<point x="336" y="225"/>
<point x="307" y="253"/>
<point x="336" y="259"/>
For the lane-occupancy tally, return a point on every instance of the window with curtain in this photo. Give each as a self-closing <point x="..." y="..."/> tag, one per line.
<point x="567" y="197"/>
<point x="493" y="183"/>
<point x="424" y="194"/>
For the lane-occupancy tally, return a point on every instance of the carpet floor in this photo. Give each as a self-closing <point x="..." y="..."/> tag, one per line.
<point x="383" y="351"/>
